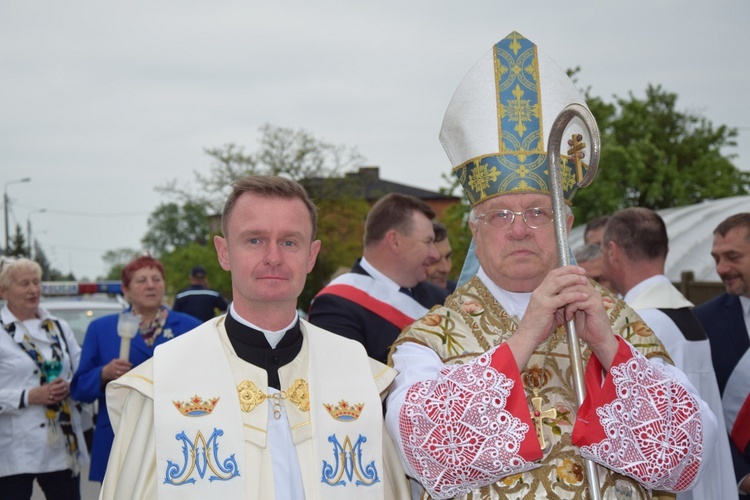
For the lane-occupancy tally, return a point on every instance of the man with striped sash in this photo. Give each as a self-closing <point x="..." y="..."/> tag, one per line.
<point x="386" y="289"/>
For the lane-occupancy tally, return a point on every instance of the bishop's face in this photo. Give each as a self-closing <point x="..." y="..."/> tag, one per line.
<point x="516" y="258"/>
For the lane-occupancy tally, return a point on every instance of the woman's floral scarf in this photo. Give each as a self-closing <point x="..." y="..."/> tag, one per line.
<point x="151" y="331"/>
<point x="59" y="415"/>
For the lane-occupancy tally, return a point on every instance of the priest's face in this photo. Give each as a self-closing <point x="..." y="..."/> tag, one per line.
<point x="518" y="257"/>
<point x="268" y="250"/>
<point x="732" y="255"/>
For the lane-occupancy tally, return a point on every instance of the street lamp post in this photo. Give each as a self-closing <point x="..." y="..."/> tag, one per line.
<point x="28" y="229"/>
<point x="6" y="202"/>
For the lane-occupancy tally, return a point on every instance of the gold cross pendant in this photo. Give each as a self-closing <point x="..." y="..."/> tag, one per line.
<point x="538" y="415"/>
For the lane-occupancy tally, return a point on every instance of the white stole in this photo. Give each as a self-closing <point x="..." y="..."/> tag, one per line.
<point x="339" y="458"/>
<point x="198" y="456"/>
<point x="348" y="450"/>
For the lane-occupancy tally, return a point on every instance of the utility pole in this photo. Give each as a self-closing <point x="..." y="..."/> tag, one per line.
<point x="6" y="203"/>
<point x="28" y="229"/>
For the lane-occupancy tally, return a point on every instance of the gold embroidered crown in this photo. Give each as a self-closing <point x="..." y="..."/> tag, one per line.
<point x="344" y="412"/>
<point x="196" y="406"/>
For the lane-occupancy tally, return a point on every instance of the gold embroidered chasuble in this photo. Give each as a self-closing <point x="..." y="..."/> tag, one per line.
<point x="471" y="323"/>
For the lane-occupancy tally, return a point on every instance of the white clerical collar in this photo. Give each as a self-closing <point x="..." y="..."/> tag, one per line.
<point x="377" y="275"/>
<point x="273" y="338"/>
<point x="514" y="303"/>
<point x="640" y="287"/>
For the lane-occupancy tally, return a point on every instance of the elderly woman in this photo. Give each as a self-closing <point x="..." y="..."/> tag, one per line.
<point x="143" y="284"/>
<point x="40" y="426"/>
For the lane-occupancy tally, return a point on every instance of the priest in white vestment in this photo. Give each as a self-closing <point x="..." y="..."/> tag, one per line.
<point x="635" y="247"/>
<point x="257" y="403"/>
<point x="484" y="404"/>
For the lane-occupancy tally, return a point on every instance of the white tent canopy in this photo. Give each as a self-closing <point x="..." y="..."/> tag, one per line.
<point x="690" y="230"/>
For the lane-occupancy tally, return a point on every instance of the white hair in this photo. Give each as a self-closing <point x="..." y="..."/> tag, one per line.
<point x="9" y="267"/>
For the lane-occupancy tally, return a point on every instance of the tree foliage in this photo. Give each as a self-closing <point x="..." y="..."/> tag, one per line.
<point x="653" y="155"/>
<point x="295" y="154"/>
<point x="656" y="156"/>
<point x="172" y="226"/>
<point x="17" y="246"/>
<point x="340" y="230"/>
<point x="117" y="259"/>
<point x="179" y="262"/>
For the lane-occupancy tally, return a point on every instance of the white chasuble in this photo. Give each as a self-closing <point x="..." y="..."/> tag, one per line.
<point x="215" y="420"/>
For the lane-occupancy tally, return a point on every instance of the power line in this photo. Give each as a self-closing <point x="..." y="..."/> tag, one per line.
<point x="84" y="214"/>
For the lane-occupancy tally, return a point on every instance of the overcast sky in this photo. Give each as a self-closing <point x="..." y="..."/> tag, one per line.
<point x="102" y="101"/>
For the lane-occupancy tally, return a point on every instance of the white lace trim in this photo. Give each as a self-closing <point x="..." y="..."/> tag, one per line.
<point x="654" y="431"/>
<point x="457" y="434"/>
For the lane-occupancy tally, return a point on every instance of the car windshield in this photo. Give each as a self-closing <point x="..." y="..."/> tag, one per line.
<point x="78" y="314"/>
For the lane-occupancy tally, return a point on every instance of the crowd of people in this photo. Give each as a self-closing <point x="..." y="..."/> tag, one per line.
<point x="401" y="383"/>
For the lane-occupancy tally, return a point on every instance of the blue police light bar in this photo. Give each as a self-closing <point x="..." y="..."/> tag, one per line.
<point x="76" y="288"/>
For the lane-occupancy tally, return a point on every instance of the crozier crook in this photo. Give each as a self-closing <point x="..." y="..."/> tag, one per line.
<point x="571" y="112"/>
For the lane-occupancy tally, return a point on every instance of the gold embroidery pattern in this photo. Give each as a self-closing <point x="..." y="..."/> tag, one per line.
<point x="250" y="396"/>
<point x="344" y="412"/>
<point x="196" y="406"/>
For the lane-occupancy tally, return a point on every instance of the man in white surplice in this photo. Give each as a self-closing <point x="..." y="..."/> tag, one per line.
<point x="635" y="246"/>
<point x="256" y="403"/>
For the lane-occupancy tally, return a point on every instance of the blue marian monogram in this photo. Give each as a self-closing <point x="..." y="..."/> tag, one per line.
<point x="200" y="456"/>
<point x="348" y="459"/>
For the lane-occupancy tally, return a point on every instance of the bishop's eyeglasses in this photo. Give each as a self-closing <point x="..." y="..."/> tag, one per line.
<point x="503" y="218"/>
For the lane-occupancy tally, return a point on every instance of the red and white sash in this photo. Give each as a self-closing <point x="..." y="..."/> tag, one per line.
<point x="379" y="298"/>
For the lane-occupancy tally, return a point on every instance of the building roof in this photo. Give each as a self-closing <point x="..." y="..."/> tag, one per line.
<point x="690" y="230"/>
<point x="366" y="183"/>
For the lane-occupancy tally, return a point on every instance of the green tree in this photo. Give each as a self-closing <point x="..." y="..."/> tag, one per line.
<point x="117" y="259"/>
<point x="340" y="229"/>
<point x="655" y="156"/>
<point x="17" y="246"/>
<point x="172" y="226"/>
<point x="179" y="262"/>
<point x="295" y="154"/>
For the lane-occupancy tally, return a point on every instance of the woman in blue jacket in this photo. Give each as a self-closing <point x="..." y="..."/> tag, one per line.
<point x="143" y="284"/>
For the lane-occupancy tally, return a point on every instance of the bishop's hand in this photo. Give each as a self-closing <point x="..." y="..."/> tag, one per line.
<point x="550" y="301"/>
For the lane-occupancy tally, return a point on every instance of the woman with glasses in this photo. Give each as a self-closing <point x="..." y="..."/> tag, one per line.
<point x="143" y="284"/>
<point x="40" y="425"/>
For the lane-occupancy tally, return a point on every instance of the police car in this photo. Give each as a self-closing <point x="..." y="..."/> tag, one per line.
<point x="81" y="303"/>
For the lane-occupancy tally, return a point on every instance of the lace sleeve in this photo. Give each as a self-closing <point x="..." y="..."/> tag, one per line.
<point x="650" y="430"/>
<point x="459" y="432"/>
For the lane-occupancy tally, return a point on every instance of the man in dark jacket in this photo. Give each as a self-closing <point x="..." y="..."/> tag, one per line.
<point x="197" y="299"/>
<point x="386" y="289"/>
<point x="725" y="319"/>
